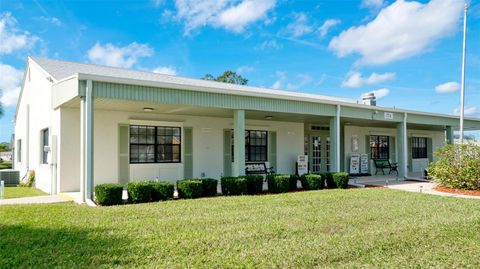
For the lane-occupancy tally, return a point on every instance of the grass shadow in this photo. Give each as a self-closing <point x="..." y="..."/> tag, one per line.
<point x="67" y="247"/>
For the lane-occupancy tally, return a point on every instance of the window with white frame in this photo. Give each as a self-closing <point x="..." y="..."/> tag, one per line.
<point x="155" y="144"/>
<point x="419" y="148"/>
<point x="44" y="143"/>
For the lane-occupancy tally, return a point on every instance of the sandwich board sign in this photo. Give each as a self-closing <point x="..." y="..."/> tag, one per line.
<point x="354" y="163"/>
<point x="302" y="164"/>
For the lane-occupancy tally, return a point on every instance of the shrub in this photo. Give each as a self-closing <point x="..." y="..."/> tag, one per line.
<point x="341" y="180"/>
<point x="139" y="192"/>
<point x="108" y="194"/>
<point x="234" y="185"/>
<point x="254" y="184"/>
<point x="458" y="166"/>
<point x="279" y="183"/>
<point x="209" y="186"/>
<point x="293" y="182"/>
<point x="189" y="188"/>
<point x="329" y="180"/>
<point x="312" y="181"/>
<point x="161" y="191"/>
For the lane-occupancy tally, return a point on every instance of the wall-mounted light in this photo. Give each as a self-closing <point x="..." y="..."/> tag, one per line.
<point x="268" y="117"/>
<point x="148" y="109"/>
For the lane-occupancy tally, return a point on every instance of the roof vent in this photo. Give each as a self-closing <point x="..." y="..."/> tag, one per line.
<point x="369" y="99"/>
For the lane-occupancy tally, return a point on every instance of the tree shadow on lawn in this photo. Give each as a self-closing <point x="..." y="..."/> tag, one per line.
<point x="69" y="247"/>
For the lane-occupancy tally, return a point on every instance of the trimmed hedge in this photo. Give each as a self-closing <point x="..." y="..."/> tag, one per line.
<point x="341" y="180"/>
<point x="254" y="183"/>
<point x="329" y="180"/>
<point x="312" y="181"/>
<point x="279" y="183"/>
<point x="189" y="188"/>
<point x="161" y="191"/>
<point x="293" y="182"/>
<point x="234" y="185"/>
<point x="209" y="186"/>
<point x="109" y="194"/>
<point x="139" y="192"/>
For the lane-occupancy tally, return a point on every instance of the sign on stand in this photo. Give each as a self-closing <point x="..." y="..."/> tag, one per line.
<point x="364" y="163"/>
<point x="354" y="163"/>
<point x="302" y="165"/>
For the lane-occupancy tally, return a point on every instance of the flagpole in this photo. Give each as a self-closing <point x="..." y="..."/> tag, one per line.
<point x="462" y="95"/>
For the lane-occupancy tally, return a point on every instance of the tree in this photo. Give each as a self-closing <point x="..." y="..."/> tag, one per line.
<point x="228" y="77"/>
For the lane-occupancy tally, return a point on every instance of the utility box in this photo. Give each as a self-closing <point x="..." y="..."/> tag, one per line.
<point x="10" y="177"/>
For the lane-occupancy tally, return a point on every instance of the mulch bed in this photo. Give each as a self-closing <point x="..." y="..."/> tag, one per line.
<point x="457" y="191"/>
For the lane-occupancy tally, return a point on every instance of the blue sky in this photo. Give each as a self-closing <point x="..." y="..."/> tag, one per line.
<point x="408" y="52"/>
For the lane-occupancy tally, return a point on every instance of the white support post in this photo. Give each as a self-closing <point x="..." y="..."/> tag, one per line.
<point x="335" y="140"/>
<point x="82" y="150"/>
<point x="238" y="143"/>
<point x="89" y="141"/>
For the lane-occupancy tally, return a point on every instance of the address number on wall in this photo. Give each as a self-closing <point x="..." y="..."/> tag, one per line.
<point x="388" y="115"/>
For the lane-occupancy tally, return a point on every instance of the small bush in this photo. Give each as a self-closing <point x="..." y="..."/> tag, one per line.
<point x="293" y="182"/>
<point x="108" y="194"/>
<point x="341" y="180"/>
<point x="234" y="185"/>
<point x="458" y="166"/>
<point x="161" y="191"/>
<point x="209" y="186"/>
<point x="312" y="181"/>
<point x="254" y="184"/>
<point x="189" y="188"/>
<point x="329" y="180"/>
<point x="279" y="183"/>
<point x="139" y="192"/>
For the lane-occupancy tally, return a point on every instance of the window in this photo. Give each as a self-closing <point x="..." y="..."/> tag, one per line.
<point x="154" y="144"/>
<point x="419" y="148"/>
<point x="379" y="147"/>
<point x="44" y="137"/>
<point x="19" y="150"/>
<point x="255" y="146"/>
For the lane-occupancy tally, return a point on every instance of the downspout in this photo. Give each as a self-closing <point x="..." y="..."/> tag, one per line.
<point x="337" y="135"/>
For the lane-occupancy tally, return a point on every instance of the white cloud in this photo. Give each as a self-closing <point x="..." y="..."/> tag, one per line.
<point x="12" y="38"/>
<point x="327" y="25"/>
<point x="10" y="83"/>
<point x="468" y="111"/>
<point x="380" y="93"/>
<point x="53" y="20"/>
<point x="355" y="79"/>
<point x="111" y="55"/>
<point x="245" y="69"/>
<point x="400" y="30"/>
<point x="374" y="4"/>
<point x="281" y="78"/>
<point x="269" y="44"/>
<point x="158" y="3"/>
<point x="299" y="26"/>
<point x="167" y="70"/>
<point x="234" y="15"/>
<point x="302" y="80"/>
<point x="447" y="87"/>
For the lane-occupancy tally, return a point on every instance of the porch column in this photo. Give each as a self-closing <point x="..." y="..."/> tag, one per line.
<point x="238" y="143"/>
<point x="87" y="140"/>
<point x="402" y="146"/>
<point x="335" y="141"/>
<point x="449" y="134"/>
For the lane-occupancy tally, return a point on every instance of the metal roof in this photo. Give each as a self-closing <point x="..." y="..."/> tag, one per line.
<point x="62" y="69"/>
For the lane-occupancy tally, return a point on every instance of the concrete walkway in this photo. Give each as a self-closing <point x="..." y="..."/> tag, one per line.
<point x="44" y="199"/>
<point x="405" y="185"/>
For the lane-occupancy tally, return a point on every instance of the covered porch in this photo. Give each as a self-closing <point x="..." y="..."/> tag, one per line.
<point x="213" y="124"/>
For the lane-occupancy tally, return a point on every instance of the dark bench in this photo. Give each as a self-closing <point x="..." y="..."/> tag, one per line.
<point x="385" y="164"/>
<point x="258" y="168"/>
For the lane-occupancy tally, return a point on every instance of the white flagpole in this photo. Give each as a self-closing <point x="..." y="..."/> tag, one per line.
<point x="462" y="97"/>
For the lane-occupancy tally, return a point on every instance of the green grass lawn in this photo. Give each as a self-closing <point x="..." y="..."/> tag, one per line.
<point x="5" y="165"/>
<point x="329" y="228"/>
<point x="16" y="192"/>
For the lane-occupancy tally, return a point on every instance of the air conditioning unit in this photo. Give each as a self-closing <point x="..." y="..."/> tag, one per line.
<point x="10" y="177"/>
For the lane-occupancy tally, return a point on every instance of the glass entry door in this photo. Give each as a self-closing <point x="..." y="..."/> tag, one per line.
<point x="319" y="153"/>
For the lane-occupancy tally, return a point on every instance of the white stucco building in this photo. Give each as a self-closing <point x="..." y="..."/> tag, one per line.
<point x="78" y="125"/>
